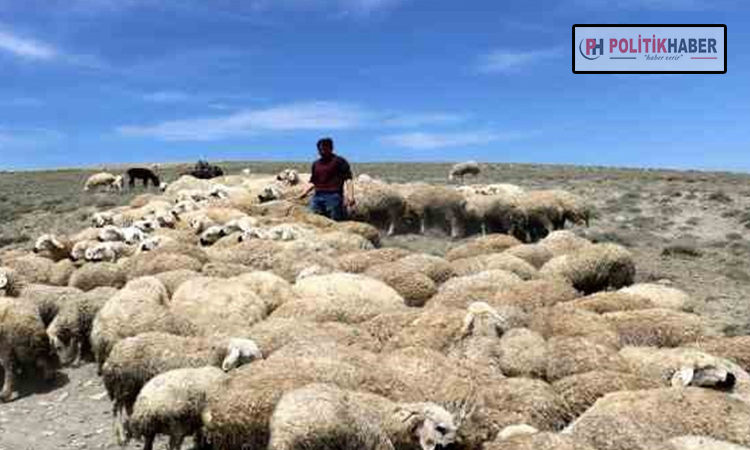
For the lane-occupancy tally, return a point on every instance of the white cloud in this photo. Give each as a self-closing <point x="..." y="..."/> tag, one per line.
<point x="297" y="116"/>
<point x="418" y="120"/>
<point x="427" y="141"/>
<point x="501" y="61"/>
<point x="26" y="48"/>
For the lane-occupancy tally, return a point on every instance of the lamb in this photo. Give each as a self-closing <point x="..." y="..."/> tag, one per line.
<point x="171" y="403"/>
<point x="139" y="307"/>
<point x="641" y="420"/>
<point x="53" y="247"/>
<point x="460" y="170"/>
<point x="594" y="268"/>
<point x="105" y="180"/>
<point x="91" y="276"/>
<point x="23" y="345"/>
<point x="70" y="330"/>
<point x="320" y="413"/>
<point x="135" y="360"/>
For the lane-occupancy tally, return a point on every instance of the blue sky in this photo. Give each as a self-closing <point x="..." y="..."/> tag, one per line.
<point x="85" y="82"/>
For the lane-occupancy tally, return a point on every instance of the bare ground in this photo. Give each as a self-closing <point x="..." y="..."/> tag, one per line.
<point x="691" y="228"/>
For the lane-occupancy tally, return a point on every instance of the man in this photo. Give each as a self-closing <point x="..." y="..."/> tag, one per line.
<point x="331" y="179"/>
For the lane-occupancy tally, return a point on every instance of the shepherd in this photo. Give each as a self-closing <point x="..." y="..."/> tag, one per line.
<point x="331" y="179"/>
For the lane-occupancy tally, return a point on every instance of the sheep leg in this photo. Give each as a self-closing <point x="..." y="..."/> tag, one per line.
<point x="148" y="442"/>
<point x="391" y="227"/>
<point x="79" y="354"/>
<point x="8" y="362"/>
<point x="120" y="434"/>
<point x="422" y="225"/>
<point x="175" y="442"/>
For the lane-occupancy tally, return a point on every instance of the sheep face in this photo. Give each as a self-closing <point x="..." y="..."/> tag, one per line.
<point x="149" y="244"/>
<point x="132" y="235"/>
<point x="269" y="193"/>
<point x="240" y="351"/>
<point x="483" y="320"/>
<point x="168" y="220"/>
<point x="101" y="253"/>
<point x="184" y="206"/>
<point x="708" y="376"/>
<point x="47" y="242"/>
<point x="101" y="219"/>
<point x="431" y="425"/>
<point x="66" y="345"/>
<point x="163" y="186"/>
<point x="146" y="225"/>
<point x="79" y="251"/>
<point x="211" y="235"/>
<point x="110" y="233"/>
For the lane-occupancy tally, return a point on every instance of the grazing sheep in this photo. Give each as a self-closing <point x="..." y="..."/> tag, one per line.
<point x="500" y="213"/>
<point x="340" y="297"/>
<point x="535" y="254"/>
<point x="91" y="276"/>
<point x="412" y="285"/>
<point x="218" y="306"/>
<point x="108" y="251"/>
<point x="155" y="262"/>
<point x="171" y="404"/>
<point x="643" y="420"/>
<point x="593" y="268"/>
<point x="320" y="413"/>
<point x="379" y="204"/>
<point x="568" y="356"/>
<point x="103" y="180"/>
<point x="460" y="170"/>
<point x="436" y="207"/>
<point x="48" y="299"/>
<point x="661" y="296"/>
<point x="54" y="248"/>
<point x="70" y="330"/>
<point x="523" y="353"/>
<point x="491" y="243"/>
<point x="659" y="327"/>
<point x="139" y="307"/>
<point x="460" y="292"/>
<point x="24" y="346"/>
<point x="32" y="268"/>
<point x="360" y="261"/>
<point x="564" y="320"/>
<point x="562" y="242"/>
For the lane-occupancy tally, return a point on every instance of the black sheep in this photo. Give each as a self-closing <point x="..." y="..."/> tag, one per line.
<point x="140" y="173"/>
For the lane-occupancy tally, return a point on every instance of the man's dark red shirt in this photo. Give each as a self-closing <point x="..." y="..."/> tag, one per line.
<point x="329" y="175"/>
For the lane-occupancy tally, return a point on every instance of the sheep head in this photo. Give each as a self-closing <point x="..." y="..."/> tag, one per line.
<point x="149" y="244"/>
<point x="211" y="235"/>
<point x="67" y="346"/>
<point x="101" y="219"/>
<point x="428" y="423"/>
<point x="110" y="233"/>
<point x="495" y="323"/>
<point x="47" y="242"/>
<point x="4" y="279"/>
<point x="163" y="186"/>
<point x="269" y="193"/>
<point x="239" y="352"/>
<point x="708" y="376"/>
<point x="131" y="235"/>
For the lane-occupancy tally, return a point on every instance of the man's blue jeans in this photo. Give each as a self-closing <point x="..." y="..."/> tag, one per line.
<point x="329" y="204"/>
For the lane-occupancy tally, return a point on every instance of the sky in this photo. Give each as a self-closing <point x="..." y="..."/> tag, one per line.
<point x="90" y="82"/>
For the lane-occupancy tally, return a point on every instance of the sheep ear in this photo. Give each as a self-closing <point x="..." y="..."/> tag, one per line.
<point x="468" y="324"/>
<point x="231" y="360"/>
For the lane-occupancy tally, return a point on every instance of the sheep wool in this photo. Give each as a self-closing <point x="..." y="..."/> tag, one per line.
<point x="594" y="268"/>
<point x="535" y="254"/>
<point x="491" y="243"/>
<point x="532" y="294"/>
<point x="523" y="353"/>
<point x="415" y="287"/>
<point x="94" y="275"/>
<point x="436" y="268"/>
<point x="496" y="261"/>
<point x="659" y="327"/>
<point x="661" y="296"/>
<point x="606" y="302"/>
<point x="460" y="292"/>
<point x="537" y="441"/>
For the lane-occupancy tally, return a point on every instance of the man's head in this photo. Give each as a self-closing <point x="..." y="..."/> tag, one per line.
<point x="325" y="147"/>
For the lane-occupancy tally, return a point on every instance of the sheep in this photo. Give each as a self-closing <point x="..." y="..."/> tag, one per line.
<point x="699" y="443"/>
<point x="380" y="205"/>
<point x="582" y="390"/>
<point x="606" y="302"/>
<point x="139" y="307"/>
<point x="90" y="276"/>
<point x="538" y="440"/>
<point x="459" y="292"/>
<point x="535" y="254"/>
<point x="641" y="420"/>
<point x="434" y="328"/>
<point x="48" y="299"/>
<point x="274" y="290"/>
<point x="564" y="320"/>
<point x="562" y="242"/>
<point x="594" y="268"/>
<point x="23" y="345"/>
<point x="171" y="403"/>
<point x="274" y="333"/>
<point x="135" y="360"/>
<point x="158" y="261"/>
<point x="105" y="180"/>
<point x="218" y="306"/>
<point x="154" y="242"/>
<point x="435" y="267"/>
<point x="11" y="283"/>
<point x="495" y="261"/>
<point x="53" y="247"/>
<point x="659" y="327"/>
<point x="732" y="348"/>
<point x="413" y="286"/>
<point x="523" y="353"/>
<point x="491" y="243"/>
<point x="547" y="211"/>
<point x="436" y="206"/>
<point x="360" y="261"/>
<point x="460" y="170"/>
<point x="660" y="296"/>
<point x="173" y="279"/>
<point x="512" y="431"/>
<point x="78" y="252"/>
<point x="32" y="268"/>
<point x="289" y="177"/>
<point x="320" y="413"/>
<point x="365" y="230"/>
<point x="346" y="298"/>
<point x="532" y="294"/>
<point x="224" y="270"/>
<point x="500" y="213"/>
<point x="679" y="367"/>
<point x="61" y="273"/>
<point x="103" y="218"/>
<point x="70" y="329"/>
<point x="571" y="355"/>
<point x="108" y="251"/>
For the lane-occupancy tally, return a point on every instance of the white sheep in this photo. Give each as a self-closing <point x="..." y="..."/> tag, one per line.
<point x="478" y="310"/>
<point x="56" y="248"/>
<point x="289" y="177"/>
<point x="105" y="180"/>
<point x="102" y="218"/>
<point x="107" y="251"/>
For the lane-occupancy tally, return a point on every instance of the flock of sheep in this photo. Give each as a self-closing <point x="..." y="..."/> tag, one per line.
<point x="224" y="311"/>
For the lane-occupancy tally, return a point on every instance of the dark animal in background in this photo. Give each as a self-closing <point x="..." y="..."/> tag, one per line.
<point x="141" y="173"/>
<point x="205" y="171"/>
